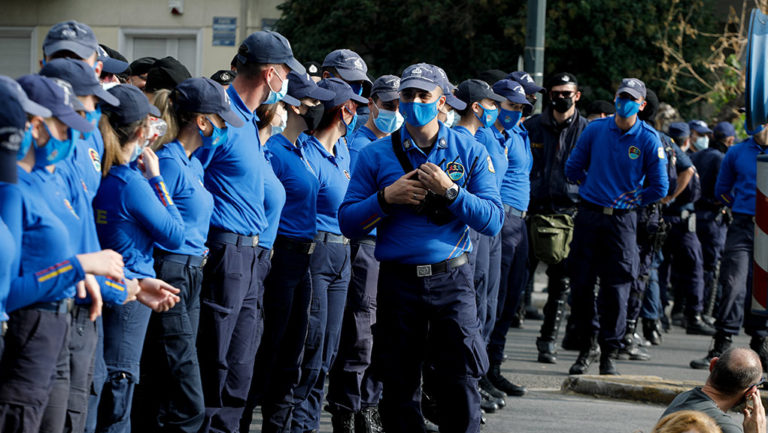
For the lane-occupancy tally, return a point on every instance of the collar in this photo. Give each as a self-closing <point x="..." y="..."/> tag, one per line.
<point x="635" y="129"/>
<point x="177" y="148"/>
<point x="367" y="132"/>
<point x="462" y="130"/>
<point x="441" y="141"/>
<point x="322" y="149"/>
<point x="718" y="146"/>
<point x="237" y="103"/>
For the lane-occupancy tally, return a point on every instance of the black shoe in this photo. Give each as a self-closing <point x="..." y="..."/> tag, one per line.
<point x="546" y="351"/>
<point x="696" y="326"/>
<point x="665" y="326"/>
<point x="342" y="421"/>
<point x="678" y="319"/>
<point x="607" y="365"/>
<point x="652" y="331"/>
<point x="487" y="402"/>
<point x="720" y="344"/>
<point x="488" y="387"/>
<point x="517" y="323"/>
<point x="586" y="358"/>
<point x="502" y="384"/>
<point x="368" y="420"/>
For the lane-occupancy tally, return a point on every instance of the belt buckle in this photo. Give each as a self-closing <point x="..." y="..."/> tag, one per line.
<point x="3" y="327"/>
<point x="424" y="270"/>
<point x="69" y="304"/>
<point x="607" y="211"/>
<point x="311" y="248"/>
<point x="204" y="261"/>
<point x="255" y="241"/>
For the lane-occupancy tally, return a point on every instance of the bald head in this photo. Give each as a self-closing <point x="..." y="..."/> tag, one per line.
<point x="735" y="370"/>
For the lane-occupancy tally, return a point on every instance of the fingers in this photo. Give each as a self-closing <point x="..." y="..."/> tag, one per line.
<point x="81" y="289"/>
<point x="96" y="301"/>
<point x="409" y="174"/>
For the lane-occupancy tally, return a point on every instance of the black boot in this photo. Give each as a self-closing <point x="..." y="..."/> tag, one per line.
<point x="502" y="384"/>
<point x="554" y="310"/>
<point x="487" y="402"/>
<point x="488" y="387"/>
<point x="760" y="345"/>
<point x="607" y="364"/>
<point x="546" y="351"/>
<point x="632" y="350"/>
<point x="696" y="326"/>
<point x="342" y="421"/>
<point x="571" y="340"/>
<point x="586" y="357"/>
<point x="368" y="420"/>
<point x="652" y="331"/>
<point x="720" y="343"/>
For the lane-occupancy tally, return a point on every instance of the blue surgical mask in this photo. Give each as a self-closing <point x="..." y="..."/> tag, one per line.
<point x="93" y="118"/>
<point x="275" y="97"/>
<point x="450" y="118"/>
<point x="626" y="107"/>
<point x="26" y="141"/>
<point x="388" y="121"/>
<point x="509" y="118"/>
<point x="488" y="117"/>
<point x="218" y="136"/>
<point x="701" y="143"/>
<point x="55" y="150"/>
<point x="357" y="88"/>
<point x="351" y="125"/>
<point x="418" y="113"/>
<point x="136" y="153"/>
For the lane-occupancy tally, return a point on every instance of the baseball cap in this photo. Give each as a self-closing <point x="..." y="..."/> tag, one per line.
<point x="70" y="36"/>
<point x="302" y="86"/>
<point x="699" y="126"/>
<point x="56" y="95"/>
<point x="313" y="69"/>
<point x="448" y="89"/>
<point x="475" y="90"/>
<point x="166" y="73"/>
<point x="600" y="106"/>
<point x="12" y="115"/>
<point x="385" y="87"/>
<point x="268" y="47"/>
<point x="724" y="130"/>
<point x="16" y="92"/>
<point x="633" y="86"/>
<point x="420" y="76"/>
<point x="349" y="64"/>
<point x="679" y="130"/>
<point x="224" y="76"/>
<point x="525" y="80"/>
<point x="342" y="92"/>
<point x="560" y="79"/>
<point x="112" y="61"/>
<point x="141" y="65"/>
<point x="134" y="105"/>
<point x="203" y="95"/>
<point x="512" y="90"/>
<point x="80" y="76"/>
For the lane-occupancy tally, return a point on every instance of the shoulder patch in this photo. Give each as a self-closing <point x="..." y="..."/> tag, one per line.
<point x="634" y="152"/>
<point x="660" y="151"/>
<point x="491" y="168"/>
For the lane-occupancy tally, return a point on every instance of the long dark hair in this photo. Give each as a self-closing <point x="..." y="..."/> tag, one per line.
<point x="115" y="136"/>
<point x="328" y="117"/>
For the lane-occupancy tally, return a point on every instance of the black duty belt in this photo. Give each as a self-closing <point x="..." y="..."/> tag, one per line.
<point x="331" y="238"/>
<point x="509" y="210"/>
<point x="233" y="239"/>
<point x="60" y="307"/>
<point x="293" y="245"/>
<point x="429" y="270"/>
<point x="366" y="240"/>
<point x="182" y="259"/>
<point x="604" y="210"/>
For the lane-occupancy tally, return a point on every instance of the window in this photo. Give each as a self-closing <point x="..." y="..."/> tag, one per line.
<point x="184" y="45"/>
<point x="18" y="45"/>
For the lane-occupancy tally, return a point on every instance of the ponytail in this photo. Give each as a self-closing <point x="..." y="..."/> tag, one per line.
<point x="114" y="139"/>
<point x="163" y="100"/>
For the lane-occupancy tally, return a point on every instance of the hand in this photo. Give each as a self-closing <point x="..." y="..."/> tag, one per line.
<point x="434" y="178"/>
<point x="405" y="191"/>
<point x="666" y="200"/>
<point x="754" y="418"/>
<point x="158" y="295"/>
<point x="149" y="163"/>
<point x="91" y="286"/>
<point x="133" y="288"/>
<point x="105" y="262"/>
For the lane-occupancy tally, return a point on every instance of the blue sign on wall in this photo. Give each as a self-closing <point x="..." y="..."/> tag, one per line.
<point x="224" y="31"/>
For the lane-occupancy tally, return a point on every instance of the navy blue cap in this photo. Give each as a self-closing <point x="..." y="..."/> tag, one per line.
<point x="724" y="130"/>
<point x="224" y="76"/>
<point x="420" y="76"/>
<point x="15" y="91"/>
<point x="448" y="89"/>
<point x="633" y="86"/>
<point x="56" y="95"/>
<point x="699" y="126"/>
<point x="302" y="86"/>
<point x="525" y="80"/>
<point x="134" y="105"/>
<point x="512" y="90"/>
<point x="349" y="64"/>
<point x="679" y="130"/>
<point x="385" y="87"/>
<point x="70" y="36"/>
<point x="474" y="90"/>
<point x="203" y="95"/>
<point x="268" y="47"/>
<point x="166" y="73"/>
<point x="342" y="92"/>
<point x="80" y="76"/>
<point x="110" y="64"/>
<point x="12" y="115"/>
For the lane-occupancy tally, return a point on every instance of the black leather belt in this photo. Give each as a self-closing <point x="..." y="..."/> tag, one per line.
<point x="60" y="307"/>
<point x="509" y="210"/>
<point x="294" y="245"/>
<point x="368" y="240"/>
<point x="233" y="238"/>
<point x="331" y="238"/>
<point x="429" y="270"/>
<point x="182" y="259"/>
<point x="604" y="210"/>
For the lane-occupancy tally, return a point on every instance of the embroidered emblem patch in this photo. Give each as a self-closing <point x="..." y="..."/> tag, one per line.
<point x="346" y="173"/>
<point x="634" y="152"/>
<point x="661" y="152"/>
<point x="491" y="168"/>
<point x="95" y="159"/>
<point x="455" y="170"/>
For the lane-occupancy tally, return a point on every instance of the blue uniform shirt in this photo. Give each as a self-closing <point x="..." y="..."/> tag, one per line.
<point x="234" y="174"/>
<point x="132" y="214"/>
<point x="274" y="200"/>
<point x="405" y="236"/>
<point x="496" y="143"/>
<point x="737" y="181"/>
<point x="516" y="179"/>
<point x="610" y="165"/>
<point x="184" y="180"/>
<point x="333" y="172"/>
<point x="361" y="138"/>
<point x="298" y="219"/>
<point x="10" y="239"/>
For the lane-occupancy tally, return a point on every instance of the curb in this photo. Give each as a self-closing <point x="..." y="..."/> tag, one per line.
<point x="648" y="389"/>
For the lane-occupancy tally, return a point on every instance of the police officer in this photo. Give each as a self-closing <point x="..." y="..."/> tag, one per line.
<point x="350" y="67"/>
<point x="230" y="315"/>
<point x="426" y="299"/>
<point x="610" y="161"/>
<point x="553" y="134"/>
<point x="353" y="388"/>
<point x="736" y="188"/>
<point x="700" y="133"/>
<point x="711" y="215"/>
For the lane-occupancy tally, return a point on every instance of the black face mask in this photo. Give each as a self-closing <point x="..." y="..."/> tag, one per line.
<point x="561" y="105"/>
<point x="313" y="116"/>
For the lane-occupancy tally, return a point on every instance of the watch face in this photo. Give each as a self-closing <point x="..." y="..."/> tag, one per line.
<point x="452" y="192"/>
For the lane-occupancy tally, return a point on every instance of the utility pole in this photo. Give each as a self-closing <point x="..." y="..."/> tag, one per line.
<point x="534" y="42"/>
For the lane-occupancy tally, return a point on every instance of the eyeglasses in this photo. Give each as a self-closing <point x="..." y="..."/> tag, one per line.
<point x="762" y="382"/>
<point x="557" y="94"/>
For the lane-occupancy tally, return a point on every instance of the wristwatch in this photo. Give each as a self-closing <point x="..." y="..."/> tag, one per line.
<point x="452" y="192"/>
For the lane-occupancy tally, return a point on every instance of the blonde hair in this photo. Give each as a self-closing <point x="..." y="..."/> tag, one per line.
<point x="685" y="421"/>
<point x="115" y="136"/>
<point x="175" y="118"/>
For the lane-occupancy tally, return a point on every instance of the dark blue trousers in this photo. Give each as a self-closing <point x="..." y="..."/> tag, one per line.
<point x="352" y="384"/>
<point x="514" y="276"/>
<point x="711" y="233"/>
<point x="27" y="370"/>
<point x="652" y="307"/>
<point x="603" y="246"/>
<point x="99" y="379"/>
<point x="83" y="336"/>
<point x="648" y="221"/>
<point x="487" y="280"/>
<point x="55" y="413"/>
<point x="682" y="253"/>
<point x="169" y="397"/>
<point x="329" y="268"/>
<point x="231" y="325"/>
<point x="431" y="317"/>
<point x="736" y="280"/>
<point x="287" y="294"/>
